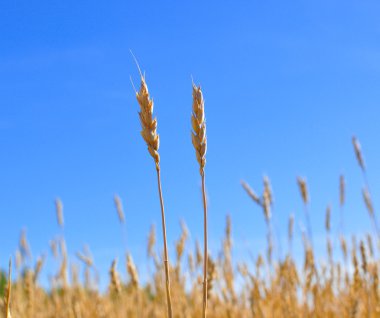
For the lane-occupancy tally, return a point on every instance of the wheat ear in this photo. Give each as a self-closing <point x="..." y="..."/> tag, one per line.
<point x="199" y="140"/>
<point x="152" y="139"/>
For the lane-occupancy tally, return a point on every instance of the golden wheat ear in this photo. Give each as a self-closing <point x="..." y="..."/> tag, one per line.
<point x="198" y="124"/>
<point x="148" y="122"/>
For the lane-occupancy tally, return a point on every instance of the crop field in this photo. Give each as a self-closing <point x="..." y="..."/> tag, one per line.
<point x="196" y="284"/>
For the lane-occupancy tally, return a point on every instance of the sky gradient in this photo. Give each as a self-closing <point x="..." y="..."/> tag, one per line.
<point x="286" y="85"/>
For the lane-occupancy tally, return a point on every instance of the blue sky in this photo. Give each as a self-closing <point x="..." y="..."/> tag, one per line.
<point x="286" y="85"/>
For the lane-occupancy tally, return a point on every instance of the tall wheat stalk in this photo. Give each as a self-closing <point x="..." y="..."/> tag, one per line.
<point x="149" y="134"/>
<point x="199" y="140"/>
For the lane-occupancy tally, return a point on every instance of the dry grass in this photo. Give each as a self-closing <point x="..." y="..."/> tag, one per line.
<point x="342" y="287"/>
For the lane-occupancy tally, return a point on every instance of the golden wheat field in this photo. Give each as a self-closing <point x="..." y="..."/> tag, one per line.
<point x="196" y="285"/>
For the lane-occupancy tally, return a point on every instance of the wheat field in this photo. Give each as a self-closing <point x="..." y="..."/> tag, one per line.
<point x="195" y="284"/>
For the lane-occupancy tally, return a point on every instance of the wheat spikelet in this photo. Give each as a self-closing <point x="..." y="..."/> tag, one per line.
<point x="59" y="211"/>
<point x="190" y="263"/>
<point x="342" y="190"/>
<point x="198" y="254"/>
<point x="251" y="193"/>
<point x="198" y="123"/>
<point x="370" y="244"/>
<point x="180" y="246"/>
<point x="38" y="268"/>
<point x="363" y="256"/>
<point x="330" y="250"/>
<point x="291" y="227"/>
<point x="132" y="271"/>
<point x="62" y="273"/>
<point x="267" y="200"/>
<point x="151" y="241"/>
<point x="18" y="260"/>
<point x="328" y="219"/>
<point x="228" y="233"/>
<point x="303" y="189"/>
<point x="211" y="276"/>
<point x="115" y="284"/>
<point x="86" y="259"/>
<point x="268" y="190"/>
<point x="54" y="248"/>
<point x="368" y="201"/>
<point x="148" y="123"/>
<point x="358" y="152"/>
<point x="302" y="185"/>
<point x="119" y="208"/>
<point x="24" y="246"/>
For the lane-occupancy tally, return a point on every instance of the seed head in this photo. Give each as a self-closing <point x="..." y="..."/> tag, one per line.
<point x="303" y="189"/>
<point x="119" y="208"/>
<point x="132" y="271"/>
<point x="148" y="123"/>
<point x="198" y="123"/>
<point x="328" y="218"/>
<point x="368" y="201"/>
<point x="59" y="211"/>
<point x="358" y="152"/>
<point x="115" y="284"/>
<point x="342" y="190"/>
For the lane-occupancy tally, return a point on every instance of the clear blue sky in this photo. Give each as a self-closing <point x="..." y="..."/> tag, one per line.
<point x="286" y="84"/>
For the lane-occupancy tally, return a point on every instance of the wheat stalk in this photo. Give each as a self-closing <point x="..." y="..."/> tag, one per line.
<point x="7" y="306"/>
<point x="199" y="140"/>
<point x="149" y="134"/>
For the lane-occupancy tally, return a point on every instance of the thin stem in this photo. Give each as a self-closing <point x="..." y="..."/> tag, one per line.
<point x="290" y="246"/>
<point x="166" y="259"/>
<point x="308" y="223"/>
<point x="205" y="258"/>
<point x="270" y="243"/>
<point x="341" y="210"/>
<point x="277" y="234"/>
